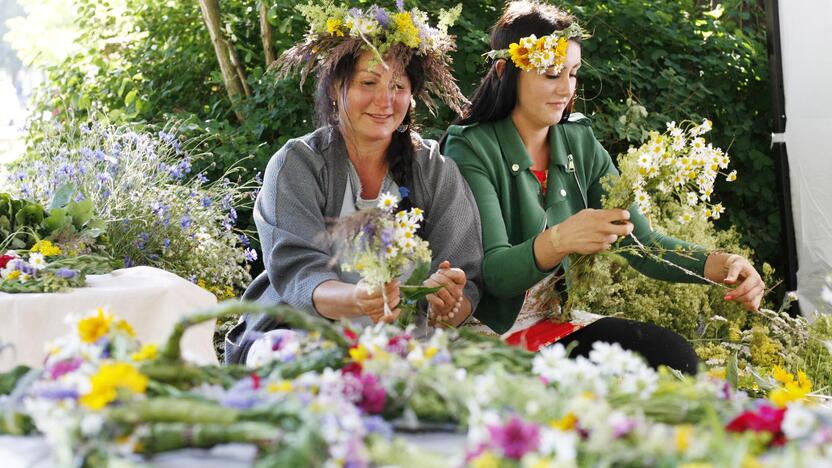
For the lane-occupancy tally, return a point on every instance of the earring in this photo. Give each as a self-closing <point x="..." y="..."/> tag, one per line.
<point x="402" y="128"/>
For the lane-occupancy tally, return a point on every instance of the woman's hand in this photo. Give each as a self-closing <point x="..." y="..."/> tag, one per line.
<point x="733" y="270"/>
<point x="447" y="303"/>
<point x="371" y="304"/>
<point x="589" y="231"/>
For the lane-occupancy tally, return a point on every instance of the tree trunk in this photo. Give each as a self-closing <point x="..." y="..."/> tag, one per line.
<point x="232" y="74"/>
<point x="266" y="33"/>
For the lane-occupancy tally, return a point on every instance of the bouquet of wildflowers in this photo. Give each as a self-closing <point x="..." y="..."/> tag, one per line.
<point x="153" y="209"/>
<point x="679" y="162"/>
<point x="381" y="245"/>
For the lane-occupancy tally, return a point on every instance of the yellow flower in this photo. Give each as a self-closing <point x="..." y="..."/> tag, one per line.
<point x="792" y="390"/>
<point x="333" y="27"/>
<point x="520" y="56"/>
<point x="125" y="326"/>
<point x="46" y="247"/>
<point x="718" y="373"/>
<point x="284" y="386"/>
<point x="566" y="423"/>
<point x="683" y="435"/>
<point x="109" y="379"/>
<point x="406" y="29"/>
<point x="485" y="460"/>
<point x="148" y="351"/>
<point x="430" y="352"/>
<point x="359" y="353"/>
<point x="13" y="275"/>
<point x="93" y="328"/>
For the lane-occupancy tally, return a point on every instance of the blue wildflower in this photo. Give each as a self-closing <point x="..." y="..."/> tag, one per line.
<point x="185" y="221"/>
<point x="251" y="255"/>
<point x="404" y="192"/>
<point x="206" y="201"/>
<point x="128" y="262"/>
<point x="65" y="273"/>
<point x="244" y="240"/>
<point x="86" y="153"/>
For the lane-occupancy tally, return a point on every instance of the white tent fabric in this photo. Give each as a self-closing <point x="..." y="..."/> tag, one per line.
<point x="807" y="71"/>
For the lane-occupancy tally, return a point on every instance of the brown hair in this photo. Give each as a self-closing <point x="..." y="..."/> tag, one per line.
<point x="496" y="95"/>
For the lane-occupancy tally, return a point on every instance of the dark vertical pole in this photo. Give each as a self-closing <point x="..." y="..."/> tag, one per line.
<point x="778" y="149"/>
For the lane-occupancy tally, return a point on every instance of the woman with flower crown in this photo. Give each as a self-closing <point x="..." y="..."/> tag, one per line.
<point x="535" y="171"/>
<point x="370" y="64"/>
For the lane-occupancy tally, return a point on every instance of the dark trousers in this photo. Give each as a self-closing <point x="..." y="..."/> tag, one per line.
<point x="659" y="346"/>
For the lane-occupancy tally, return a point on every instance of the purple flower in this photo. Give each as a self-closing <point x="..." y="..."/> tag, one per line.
<point x="128" y="262"/>
<point x="377" y="425"/>
<point x="244" y="240"/>
<point x="63" y="367"/>
<point x="356" y="12"/>
<point x="242" y="395"/>
<point x="79" y="197"/>
<point x="86" y="153"/>
<point x="186" y="221"/>
<point x="206" y="201"/>
<point x="251" y="255"/>
<point x="404" y="192"/>
<point x="99" y="155"/>
<point x="55" y="392"/>
<point x="400" y="5"/>
<point x="381" y="16"/>
<point x="516" y="437"/>
<point x="84" y="128"/>
<point x="386" y="238"/>
<point x="66" y="273"/>
<point x="202" y="178"/>
<point x="258" y="178"/>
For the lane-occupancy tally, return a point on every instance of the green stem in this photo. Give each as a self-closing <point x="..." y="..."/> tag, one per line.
<point x="162" y="437"/>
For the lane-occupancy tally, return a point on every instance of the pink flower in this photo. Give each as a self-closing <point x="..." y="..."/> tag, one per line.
<point x="516" y="438"/>
<point x="64" y="367"/>
<point x="765" y="419"/>
<point x="373" y="395"/>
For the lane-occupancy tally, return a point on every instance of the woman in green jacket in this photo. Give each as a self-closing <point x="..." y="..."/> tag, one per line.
<point x="535" y="171"/>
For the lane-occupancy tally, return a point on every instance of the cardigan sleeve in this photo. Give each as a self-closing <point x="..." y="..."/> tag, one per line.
<point x="289" y="214"/>
<point x="508" y="270"/>
<point x="452" y="224"/>
<point x="685" y="255"/>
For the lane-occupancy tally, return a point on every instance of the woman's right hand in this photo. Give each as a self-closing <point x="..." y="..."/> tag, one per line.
<point x="589" y="231"/>
<point x="371" y="304"/>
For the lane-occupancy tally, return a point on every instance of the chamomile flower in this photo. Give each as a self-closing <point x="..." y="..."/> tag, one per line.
<point x="37" y="260"/>
<point x="732" y="176"/>
<point x="388" y="201"/>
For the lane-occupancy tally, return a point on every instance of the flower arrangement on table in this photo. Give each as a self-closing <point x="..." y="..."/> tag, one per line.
<point x="152" y="208"/>
<point x="383" y="244"/>
<point x="330" y="395"/>
<point x="49" y="251"/>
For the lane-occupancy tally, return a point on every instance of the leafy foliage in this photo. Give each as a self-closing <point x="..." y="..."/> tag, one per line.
<point x="152" y="61"/>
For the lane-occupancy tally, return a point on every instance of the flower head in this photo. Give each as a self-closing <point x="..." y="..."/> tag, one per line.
<point x="91" y="329"/>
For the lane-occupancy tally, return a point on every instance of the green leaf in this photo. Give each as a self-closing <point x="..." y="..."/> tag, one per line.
<point x="81" y="212"/>
<point x="30" y="216"/>
<point x="57" y="220"/>
<point x="419" y="275"/>
<point x="417" y="293"/>
<point x="62" y="196"/>
<point x="732" y="371"/>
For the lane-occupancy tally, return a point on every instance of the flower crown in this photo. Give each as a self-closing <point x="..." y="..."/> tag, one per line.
<point x="336" y="31"/>
<point x="531" y="53"/>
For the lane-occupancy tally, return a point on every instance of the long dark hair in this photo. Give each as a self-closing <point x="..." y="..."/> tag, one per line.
<point x="400" y="153"/>
<point x="496" y="96"/>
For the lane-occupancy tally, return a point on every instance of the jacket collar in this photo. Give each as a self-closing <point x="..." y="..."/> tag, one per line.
<point x="514" y="151"/>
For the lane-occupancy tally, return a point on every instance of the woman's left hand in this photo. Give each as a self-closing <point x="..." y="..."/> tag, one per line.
<point x="447" y="302"/>
<point x="736" y="270"/>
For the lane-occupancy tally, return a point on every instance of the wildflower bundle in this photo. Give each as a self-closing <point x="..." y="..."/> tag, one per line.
<point x="153" y="209"/>
<point x="381" y="246"/>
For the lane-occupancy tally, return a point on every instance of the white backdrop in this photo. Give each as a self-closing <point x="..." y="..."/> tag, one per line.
<point x="807" y="77"/>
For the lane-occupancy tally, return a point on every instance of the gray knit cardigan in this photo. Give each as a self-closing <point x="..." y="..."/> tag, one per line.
<point x="304" y="186"/>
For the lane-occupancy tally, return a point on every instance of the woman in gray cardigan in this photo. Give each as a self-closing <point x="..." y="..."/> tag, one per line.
<point x="364" y="148"/>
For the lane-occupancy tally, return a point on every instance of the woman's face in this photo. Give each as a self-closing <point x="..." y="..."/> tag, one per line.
<point x="542" y="99"/>
<point x="377" y="100"/>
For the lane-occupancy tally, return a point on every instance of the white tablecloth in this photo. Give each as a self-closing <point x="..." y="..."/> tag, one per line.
<point x="152" y="300"/>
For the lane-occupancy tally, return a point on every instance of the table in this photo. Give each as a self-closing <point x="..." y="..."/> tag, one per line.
<point x="34" y="452"/>
<point x="150" y="299"/>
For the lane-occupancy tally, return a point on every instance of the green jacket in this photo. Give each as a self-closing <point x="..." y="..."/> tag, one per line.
<point x="494" y="161"/>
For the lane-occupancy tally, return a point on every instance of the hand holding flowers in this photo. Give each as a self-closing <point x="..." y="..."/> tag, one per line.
<point x="374" y="302"/>
<point x="448" y="305"/>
